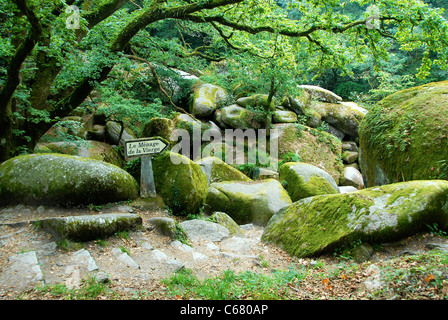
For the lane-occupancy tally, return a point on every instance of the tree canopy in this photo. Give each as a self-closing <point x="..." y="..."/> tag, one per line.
<point x="58" y="55"/>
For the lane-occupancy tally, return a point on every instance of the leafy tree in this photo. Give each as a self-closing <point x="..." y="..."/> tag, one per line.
<point x="49" y="66"/>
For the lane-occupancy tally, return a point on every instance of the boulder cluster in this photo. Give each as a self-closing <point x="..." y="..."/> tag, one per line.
<point x="329" y="151"/>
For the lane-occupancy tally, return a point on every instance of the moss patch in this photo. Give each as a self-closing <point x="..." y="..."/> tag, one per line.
<point x="63" y="179"/>
<point x="303" y="180"/>
<point x="315" y="147"/>
<point x="180" y="182"/>
<point x="322" y="223"/>
<point x="405" y="136"/>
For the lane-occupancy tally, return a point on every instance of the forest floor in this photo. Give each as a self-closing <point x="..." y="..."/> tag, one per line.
<point x="407" y="269"/>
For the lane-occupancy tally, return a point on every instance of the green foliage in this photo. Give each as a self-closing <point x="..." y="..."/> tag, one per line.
<point x="232" y="286"/>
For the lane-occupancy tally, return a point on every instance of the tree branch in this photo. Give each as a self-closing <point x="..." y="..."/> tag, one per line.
<point x="158" y="82"/>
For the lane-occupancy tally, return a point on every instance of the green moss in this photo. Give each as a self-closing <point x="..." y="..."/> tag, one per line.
<point x="405" y="136"/>
<point x="182" y="186"/>
<point x="314" y="147"/>
<point x="225" y="220"/>
<point x="298" y="187"/>
<point x="63" y="179"/>
<point x="322" y="223"/>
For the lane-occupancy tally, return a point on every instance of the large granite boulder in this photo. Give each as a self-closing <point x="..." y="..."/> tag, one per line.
<point x="303" y="180"/>
<point x="404" y="136"/>
<point x="247" y="202"/>
<point x="64" y="180"/>
<point x="320" y="224"/>
<point x="180" y="182"/>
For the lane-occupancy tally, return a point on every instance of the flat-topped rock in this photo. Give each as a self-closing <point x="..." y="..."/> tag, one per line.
<point x="90" y="227"/>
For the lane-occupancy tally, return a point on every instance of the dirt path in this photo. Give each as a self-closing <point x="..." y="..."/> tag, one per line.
<point x="136" y="261"/>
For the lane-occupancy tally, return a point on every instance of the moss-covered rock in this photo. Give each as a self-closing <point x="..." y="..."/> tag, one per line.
<point x="315" y="147"/>
<point x="320" y="224"/>
<point x="321" y="94"/>
<point x="83" y="148"/>
<point x="159" y="127"/>
<point x="303" y="180"/>
<point x="205" y="98"/>
<point x="341" y="116"/>
<point x="247" y="202"/>
<point x="257" y="101"/>
<point x="237" y="117"/>
<point x="217" y="170"/>
<point x="64" y="180"/>
<point x="180" y="182"/>
<point x="281" y="116"/>
<point x="404" y="136"/>
<point x="65" y="130"/>
<point x="298" y="103"/>
<point x="90" y="227"/>
<point x="225" y="220"/>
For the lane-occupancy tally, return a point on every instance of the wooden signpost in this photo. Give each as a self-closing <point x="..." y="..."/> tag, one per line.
<point x="145" y="148"/>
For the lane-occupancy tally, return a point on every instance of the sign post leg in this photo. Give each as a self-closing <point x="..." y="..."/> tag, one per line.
<point x="147" y="185"/>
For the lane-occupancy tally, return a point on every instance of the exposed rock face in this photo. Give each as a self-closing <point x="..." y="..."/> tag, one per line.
<point x="247" y="202"/>
<point x="318" y="224"/>
<point x="205" y="99"/>
<point x="303" y="180"/>
<point x="64" y="180"/>
<point x="402" y="137"/>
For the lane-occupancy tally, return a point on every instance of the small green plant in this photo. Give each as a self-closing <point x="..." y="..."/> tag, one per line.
<point x="180" y="235"/>
<point x="123" y="234"/>
<point x="434" y="228"/>
<point x="102" y="242"/>
<point x="125" y="250"/>
<point x="229" y="285"/>
<point x="68" y="245"/>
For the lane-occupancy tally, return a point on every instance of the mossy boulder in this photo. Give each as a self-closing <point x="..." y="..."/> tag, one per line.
<point x="315" y="147"/>
<point x="180" y="182"/>
<point x="247" y="202"/>
<point x="283" y="116"/>
<point x="90" y="227"/>
<point x="320" y="94"/>
<point x="217" y="170"/>
<point x="343" y="117"/>
<point x="63" y="180"/>
<point x="320" y="224"/>
<point x="205" y="99"/>
<point x="237" y="117"/>
<point x="297" y="103"/>
<point x="225" y="220"/>
<point x="404" y="136"/>
<point x="303" y="180"/>
<point x="159" y="127"/>
<point x="65" y="130"/>
<point x="257" y="101"/>
<point x="83" y="148"/>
